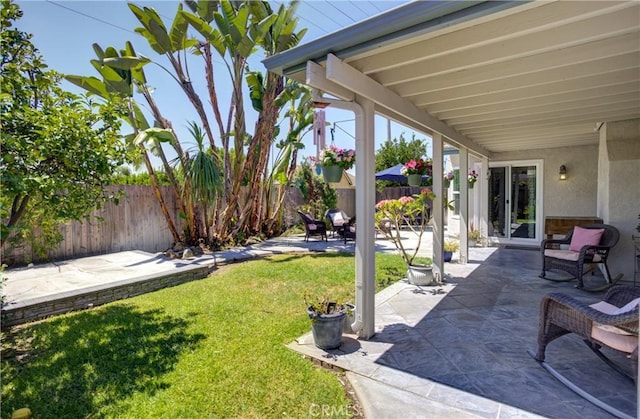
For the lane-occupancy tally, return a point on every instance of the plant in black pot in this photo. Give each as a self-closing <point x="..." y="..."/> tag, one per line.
<point x="327" y="320"/>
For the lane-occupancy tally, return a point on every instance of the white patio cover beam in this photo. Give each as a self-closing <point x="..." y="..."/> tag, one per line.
<point x="316" y="77"/>
<point x="352" y="79"/>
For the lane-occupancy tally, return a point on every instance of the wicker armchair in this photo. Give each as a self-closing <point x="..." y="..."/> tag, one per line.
<point x="561" y="314"/>
<point x="313" y="227"/>
<point x="336" y="218"/>
<point x="573" y="262"/>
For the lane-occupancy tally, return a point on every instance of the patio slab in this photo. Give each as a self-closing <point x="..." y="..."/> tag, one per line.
<point x="464" y="345"/>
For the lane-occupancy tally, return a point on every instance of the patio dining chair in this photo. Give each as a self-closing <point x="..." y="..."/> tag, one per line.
<point x="336" y="218"/>
<point x="611" y="324"/>
<point x="313" y="227"/>
<point x="582" y="247"/>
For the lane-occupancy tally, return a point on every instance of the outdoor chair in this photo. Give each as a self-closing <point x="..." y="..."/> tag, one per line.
<point x="611" y="323"/>
<point x="313" y="227"/>
<point x="583" y="245"/>
<point x="336" y="218"/>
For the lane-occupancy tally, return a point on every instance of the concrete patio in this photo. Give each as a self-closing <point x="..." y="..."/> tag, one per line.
<point x="459" y="350"/>
<point x="463" y="346"/>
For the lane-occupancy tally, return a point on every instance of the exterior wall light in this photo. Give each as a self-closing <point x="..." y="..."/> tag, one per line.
<point x="563" y="172"/>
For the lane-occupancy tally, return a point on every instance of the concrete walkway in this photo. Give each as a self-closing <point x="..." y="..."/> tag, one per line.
<point x="459" y="350"/>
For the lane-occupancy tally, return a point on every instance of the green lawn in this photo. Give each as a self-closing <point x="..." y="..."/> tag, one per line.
<point x="208" y="348"/>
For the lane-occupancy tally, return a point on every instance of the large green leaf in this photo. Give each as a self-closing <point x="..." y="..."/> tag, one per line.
<point x="114" y="79"/>
<point x="207" y="31"/>
<point x="162" y="135"/>
<point x="90" y="84"/>
<point x="256" y="87"/>
<point x="126" y="63"/>
<point x="279" y="171"/>
<point x="153" y="29"/>
<point x="98" y="50"/>
<point x="137" y="73"/>
<point x="110" y="52"/>
<point x="140" y="119"/>
<point x="178" y="33"/>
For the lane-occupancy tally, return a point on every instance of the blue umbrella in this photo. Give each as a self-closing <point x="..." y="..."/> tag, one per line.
<point x="393" y="174"/>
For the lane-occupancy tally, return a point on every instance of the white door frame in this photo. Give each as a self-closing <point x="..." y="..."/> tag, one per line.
<point x="539" y="231"/>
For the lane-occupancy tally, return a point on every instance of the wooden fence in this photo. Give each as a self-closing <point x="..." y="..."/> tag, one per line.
<point x="137" y="223"/>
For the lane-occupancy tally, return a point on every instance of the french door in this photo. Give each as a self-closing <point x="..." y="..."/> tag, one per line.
<point x="515" y="200"/>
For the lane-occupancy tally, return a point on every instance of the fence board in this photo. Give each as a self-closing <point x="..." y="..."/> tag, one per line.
<point x="136" y="223"/>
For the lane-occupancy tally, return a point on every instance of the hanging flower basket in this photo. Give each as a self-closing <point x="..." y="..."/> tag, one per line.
<point x="332" y="174"/>
<point x="414" y="180"/>
<point x="448" y="177"/>
<point x="472" y="178"/>
<point x="415" y="169"/>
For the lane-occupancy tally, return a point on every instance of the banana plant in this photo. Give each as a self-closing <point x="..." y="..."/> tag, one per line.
<point x="120" y="72"/>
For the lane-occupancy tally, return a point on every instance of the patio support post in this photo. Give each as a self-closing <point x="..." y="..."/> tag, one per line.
<point x="438" y="207"/>
<point x="364" y="112"/>
<point x="483" y="212"/>
<point x="464" y="205"/>
<point x="365" y="207"/>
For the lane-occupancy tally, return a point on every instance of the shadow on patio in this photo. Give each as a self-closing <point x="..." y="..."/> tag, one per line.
<point x="474" y="336"/>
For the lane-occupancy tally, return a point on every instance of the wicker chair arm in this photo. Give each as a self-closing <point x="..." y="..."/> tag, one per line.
<point x="547" y="243"/>
<point x="593" y="249"/>
<point x="625" y="321"/>
<point x="621" y="295"/>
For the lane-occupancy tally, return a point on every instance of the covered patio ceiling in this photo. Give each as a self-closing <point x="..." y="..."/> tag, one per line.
<point x="501" y="76"/>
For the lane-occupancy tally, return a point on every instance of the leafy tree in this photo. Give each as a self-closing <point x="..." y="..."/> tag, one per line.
<point x="399" y="150"/>
<point x="318" y="195"/>
<point x="124" y="176"/>
<point x="243" y="204"/>
<point x="58" y="150"/>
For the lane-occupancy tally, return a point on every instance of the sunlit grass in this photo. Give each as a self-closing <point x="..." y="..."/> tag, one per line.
<point x="208" y="348"/>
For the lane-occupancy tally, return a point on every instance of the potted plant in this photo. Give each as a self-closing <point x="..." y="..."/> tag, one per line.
<point x="415" y="169"/>
<point x="472" y="178"/>
<point x="448" y="177"/>
<point x="334" y="161"/>
<point x="450" y="246"/>
<point x="474" y="237"/>
<point x="392" y="214"/>
<point x="327" y="320"/>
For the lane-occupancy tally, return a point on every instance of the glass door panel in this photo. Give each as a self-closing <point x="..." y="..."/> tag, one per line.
<point x="497" y="202"/>
<point x="513" y="199"/>
<point x="523" y="202"/>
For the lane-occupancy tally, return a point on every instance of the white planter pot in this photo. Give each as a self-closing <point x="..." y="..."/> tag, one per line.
<point x="420" y="275"/>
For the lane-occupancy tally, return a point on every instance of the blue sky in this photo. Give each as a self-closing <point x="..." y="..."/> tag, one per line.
<point x="64" y="32"/>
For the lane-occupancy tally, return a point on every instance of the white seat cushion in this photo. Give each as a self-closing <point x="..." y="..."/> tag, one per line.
<point x="610" y="335"/>
<point x="626" y="343"/>
<point x="567" y="255"/>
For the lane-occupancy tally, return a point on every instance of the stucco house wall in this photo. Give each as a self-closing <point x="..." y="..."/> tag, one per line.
<point x="577" y="195"/>
<point x="619" y="188"/>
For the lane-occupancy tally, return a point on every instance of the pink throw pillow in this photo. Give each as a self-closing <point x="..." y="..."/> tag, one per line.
<point x="585" y="237"/>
